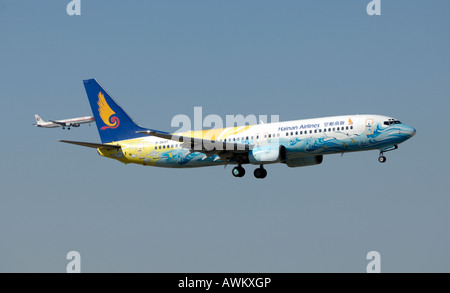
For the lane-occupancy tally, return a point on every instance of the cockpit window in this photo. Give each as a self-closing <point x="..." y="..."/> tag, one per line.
<point x="391" y="121"/>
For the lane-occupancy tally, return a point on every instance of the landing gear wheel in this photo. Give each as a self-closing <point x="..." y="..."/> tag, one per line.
<point x="382" y="159"/>
<point x="238" y="171"/>
<point x="260" y="173"/>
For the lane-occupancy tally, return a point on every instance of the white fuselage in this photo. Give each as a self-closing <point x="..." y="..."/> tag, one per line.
<point x="298" y="138"/>
<point x="72" y="122"/>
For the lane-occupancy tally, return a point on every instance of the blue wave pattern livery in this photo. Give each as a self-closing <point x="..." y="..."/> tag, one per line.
<point x="296" y="143"/>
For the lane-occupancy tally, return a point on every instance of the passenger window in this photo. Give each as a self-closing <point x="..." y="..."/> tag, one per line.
<point x="338" y="128"/>
<point x="320" y="130"/>
<point x="287" y="133"/>
<point x="346" y="128"/>
<point x="278" y="134"/>
<point x="310" y="131"/>
<point x="351" y="127"/>
<point x="315" y="130"/>
<point x="270" y="135"/>
<point x="296" y="133"/>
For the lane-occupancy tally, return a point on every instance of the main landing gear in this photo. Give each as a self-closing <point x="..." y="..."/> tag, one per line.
<point x="259" y="173"/>
<point x="381" y="158"/>
<point x="238" y="171"/>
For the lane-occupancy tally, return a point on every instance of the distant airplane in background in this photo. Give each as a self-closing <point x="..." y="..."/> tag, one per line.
<point x="295" y="143"/>
<point x="72" y="122"/>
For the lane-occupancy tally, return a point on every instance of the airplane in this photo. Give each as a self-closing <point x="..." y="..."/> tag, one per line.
<point x="72" y="122"/>
<point x="295" y="143"/>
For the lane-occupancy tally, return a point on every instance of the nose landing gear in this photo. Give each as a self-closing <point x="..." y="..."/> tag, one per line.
<point x="381" y="158"/>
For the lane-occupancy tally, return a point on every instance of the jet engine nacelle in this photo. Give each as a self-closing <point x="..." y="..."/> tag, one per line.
<point x="75" y="125"/>
<point x="266" y="154"/>
<point x="304" y="161"/>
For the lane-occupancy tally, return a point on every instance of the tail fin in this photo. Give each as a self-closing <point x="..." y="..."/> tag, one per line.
<point x="39" y="120"/>
<point x="112" y="122"/>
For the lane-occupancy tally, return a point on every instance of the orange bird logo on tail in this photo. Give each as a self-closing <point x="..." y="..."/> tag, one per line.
<point x="106" y="113"/>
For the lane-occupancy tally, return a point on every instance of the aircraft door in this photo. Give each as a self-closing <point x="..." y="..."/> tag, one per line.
<point x="369" y="126"/>
<point x="140" y="152"/>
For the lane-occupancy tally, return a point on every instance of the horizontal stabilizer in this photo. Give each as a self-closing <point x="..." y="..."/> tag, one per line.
<point x="92" y="144"/>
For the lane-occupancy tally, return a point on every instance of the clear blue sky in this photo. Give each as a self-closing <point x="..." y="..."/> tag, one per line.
<point x="297" y="59"/>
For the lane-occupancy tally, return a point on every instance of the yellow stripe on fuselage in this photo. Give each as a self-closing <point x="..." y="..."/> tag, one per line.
<point x="217" y="133"/>
<point x="141" y="151"/>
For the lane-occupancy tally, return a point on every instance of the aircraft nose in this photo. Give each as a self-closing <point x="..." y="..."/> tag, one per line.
<point x="409" y="131"/>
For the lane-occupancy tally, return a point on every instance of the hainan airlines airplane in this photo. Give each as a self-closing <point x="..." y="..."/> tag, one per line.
<point x="72" y="122"/>
<point x="294" y="143"/>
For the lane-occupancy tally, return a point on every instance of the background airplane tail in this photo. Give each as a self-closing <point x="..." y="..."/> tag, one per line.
<point x="39" y="120"/>
<point x="112" y="122"/>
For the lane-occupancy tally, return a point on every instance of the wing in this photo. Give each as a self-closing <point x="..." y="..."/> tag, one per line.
<point x="57" y="122"/>
<point x="208" y="147"/>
